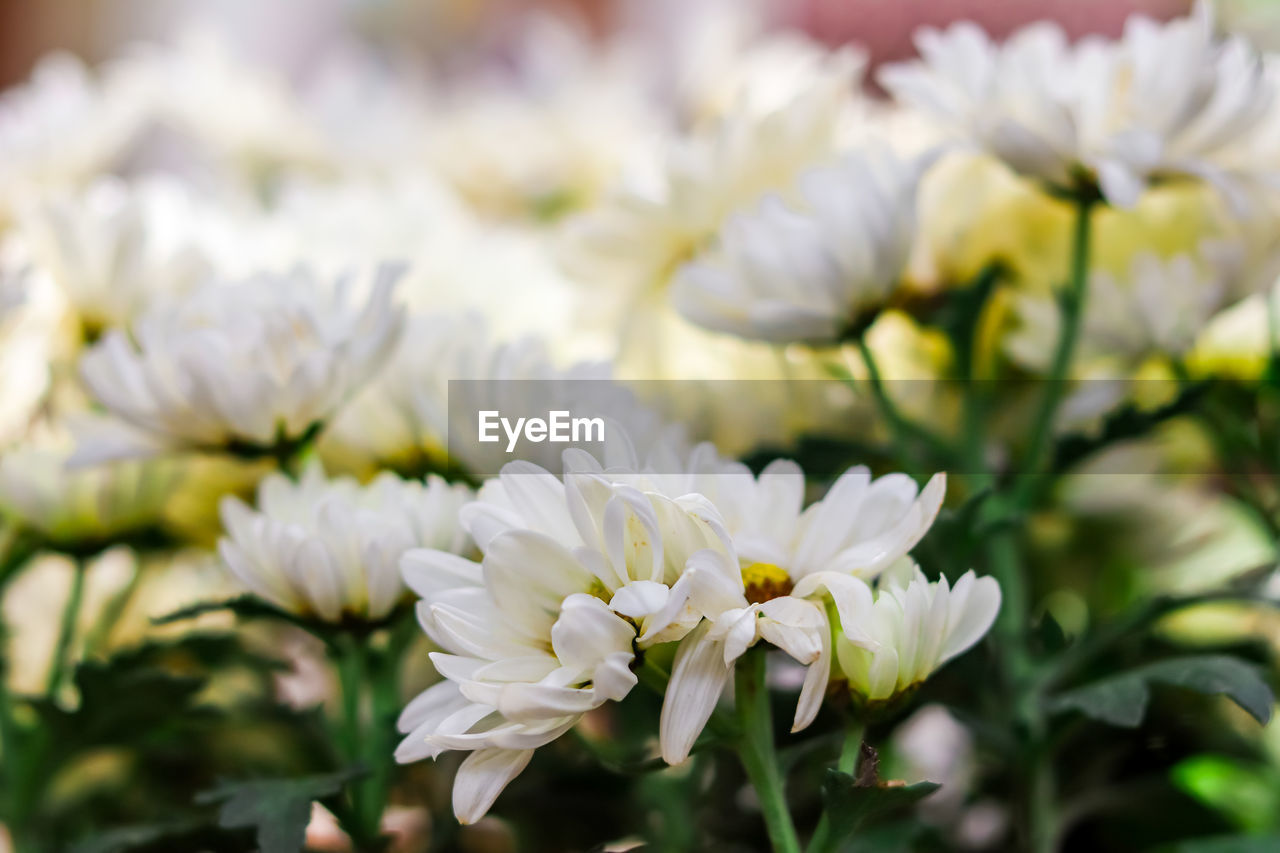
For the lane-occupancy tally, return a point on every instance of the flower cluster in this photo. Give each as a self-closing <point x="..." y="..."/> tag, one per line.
<point x="256" y="314"/>
<point x="584" y="576"/>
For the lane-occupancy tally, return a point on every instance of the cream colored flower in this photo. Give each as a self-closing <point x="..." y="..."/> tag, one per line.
<point x="330" y="548"/>
<point x="81" y="507"/>
<point x="789" y="562"/>
<point x="575" y="578"/>
<point x="1159" y="309"/>
<point x="913" y="628"/>
<point x="657" y="219"/>
<point x="1166" y="100"/>
<point x="61" y="128"/>
<point x="239" y="112"/>
<point x="252" y="363"/>
<point x="812" y="270"/>
<point x="424" y="407"/>
<point x="115" y="248"/>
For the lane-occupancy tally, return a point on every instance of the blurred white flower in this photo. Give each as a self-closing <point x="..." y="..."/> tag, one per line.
<point x="29" y="341"/>
<point x="1159" y="309"/>
<point x="239" y="111"/>
<point x="579" y="107"/>
<point x="1168" y="99"/>
<point x="809" y="271"/>
<point x="424" y="405"/>
<point x="661" y="216"/>
<point x="574" y="579"/>
<point x="913" y="628"/>
<point x="330" y="548"/>
<point x="250" y="364"/>
<point x="62" y="128"/>
<point x="84" y="506"/>
<point x="114" y="248"/>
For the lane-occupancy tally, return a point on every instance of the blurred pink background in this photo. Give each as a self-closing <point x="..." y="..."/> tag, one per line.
<point x="288" y="31"/>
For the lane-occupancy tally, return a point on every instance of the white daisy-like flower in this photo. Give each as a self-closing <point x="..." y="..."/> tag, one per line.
<point x="425" y="405"/>
<point x="239" y="111"/>
<point x="1168" y="99"/>
<point x="913" y="628"/>
<point x="62" y="128"/>
<point x="114" y="248"/>
<point x="787" y="561"/>
<point x="791" y="561"/>
<point x="809" y="271"/>
<point x="575" y="578"/>
<point x="659" y="218"/>
<point x="1158" y="309"/>
<point x="249" y="365"/>
<point x="81" y="507"/>
<point x="330" y="548"/>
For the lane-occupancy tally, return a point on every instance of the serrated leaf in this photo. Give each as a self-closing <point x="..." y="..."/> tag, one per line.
<point x="278" y="810"/>
<point x="1121" y="700"/>
<point x="849" y="805"/>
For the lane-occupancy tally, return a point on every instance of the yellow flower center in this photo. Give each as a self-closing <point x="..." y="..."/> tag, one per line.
<point x="765" y="581"/>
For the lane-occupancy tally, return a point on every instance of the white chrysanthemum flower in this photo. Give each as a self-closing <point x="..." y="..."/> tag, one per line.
<point x="241" y="112"/>
<point x="789" y="563"/>
<point x="579" y="108"/>
<point x="913" y="628"/>
<point x="29" y="342"/>
<point x="61" y="129"/>
<point x="81" y="507"/>
<point x="809" y="271"/>
<point x="424" y="407"/>
<point x="1158" y="309"/>
<point x="331" y="548"/>
<point x="1167" y="100"/>
<point x="114" y="248"/>
<point x="636" y="239"/>
<point x="250" y="364"/>
<point x="575" y="577"/>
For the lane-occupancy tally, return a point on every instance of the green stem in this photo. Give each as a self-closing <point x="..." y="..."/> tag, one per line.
<point x="66" y="631"/>
<point x="850" y="751"/>
<point x="756" y="750"/>
<point x="1042" y="803"/>
<point x="351" y="678"/>
<point x="900" y="426"/>
<point x="1072" y="305"/>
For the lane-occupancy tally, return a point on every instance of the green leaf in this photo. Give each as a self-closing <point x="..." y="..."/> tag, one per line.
<point x="849" y="805"/>
<point x="160" y="838"/>
<point x="1244" y="792"/>
<point x="1127" y="422"/>
<point x="247" y="606"/>
<point x="1121" y="700"/>
<point x="277" y="809"/>
<point x="1227" y="844"/>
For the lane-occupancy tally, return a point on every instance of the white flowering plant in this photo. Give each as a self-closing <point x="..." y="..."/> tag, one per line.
<point x="926" y="496"/>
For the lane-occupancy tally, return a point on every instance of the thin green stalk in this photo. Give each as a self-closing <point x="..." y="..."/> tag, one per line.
<point x="351" y="678"/>
<point x="756" y="750"/>
<point x="66" y="631"/>
<point x="1072" y="304"/>
<point x="380" y="745"/>
<point x="900" y="426"/>
<point x="850" y="751"/>
<point x="1042" y="802"/>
